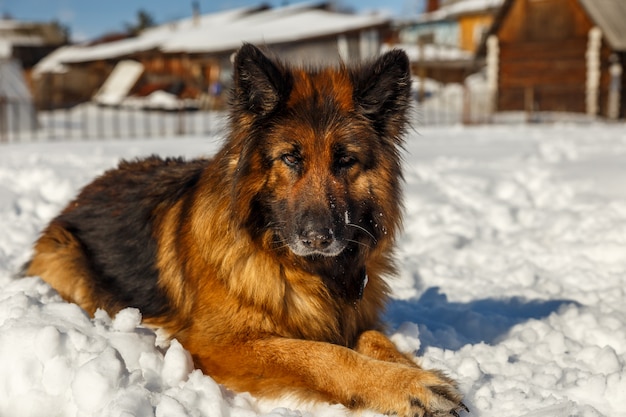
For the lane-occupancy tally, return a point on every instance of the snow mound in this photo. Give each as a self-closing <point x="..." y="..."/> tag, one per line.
<point x="512" y="279"/>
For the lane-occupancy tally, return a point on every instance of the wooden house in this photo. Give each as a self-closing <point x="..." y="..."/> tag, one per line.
<point x="558" y="56"/>
<point x="442" y="41"/>
<point x="22" y="45"/>
<point x="191" y="58"/>
<point x="29" y="42"/>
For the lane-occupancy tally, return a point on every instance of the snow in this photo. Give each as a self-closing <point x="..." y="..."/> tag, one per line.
<point x="270" y="27"/>
<point x="461" y="7"/>
<point x="512" y="280"/>
<point x="149" y="39"/>
<point x="118" y="84"/>
<point x="219" y="32"/>
<point x="16" y="104"/>
<point x="431" y="52"/>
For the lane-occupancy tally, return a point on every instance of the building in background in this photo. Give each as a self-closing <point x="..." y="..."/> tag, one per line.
<point x="559" y="56"/>
<point x="442" y="41"/>
<point x="189" y="61"/>
<point x="22" y="45"/>
<point x="29" y="42"/>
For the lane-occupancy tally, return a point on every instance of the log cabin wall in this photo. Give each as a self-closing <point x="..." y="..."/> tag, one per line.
<point x="543" y="66"/>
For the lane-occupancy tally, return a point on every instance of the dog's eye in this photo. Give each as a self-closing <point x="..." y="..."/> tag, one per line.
<point x="346" y="161"/>
<point x="292" y="160"/>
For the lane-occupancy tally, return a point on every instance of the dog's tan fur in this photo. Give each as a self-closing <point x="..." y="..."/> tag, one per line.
<point x="256" y="314"/>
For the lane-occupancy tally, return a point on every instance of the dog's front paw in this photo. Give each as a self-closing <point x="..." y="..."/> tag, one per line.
<point x="439" y="401"/>
<point x="414" y="392"/>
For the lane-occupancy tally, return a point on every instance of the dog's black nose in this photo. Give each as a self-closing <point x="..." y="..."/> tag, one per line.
<point x="317" y="238"/>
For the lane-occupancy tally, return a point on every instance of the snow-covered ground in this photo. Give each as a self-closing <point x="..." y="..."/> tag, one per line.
<point x="512" y="280"/>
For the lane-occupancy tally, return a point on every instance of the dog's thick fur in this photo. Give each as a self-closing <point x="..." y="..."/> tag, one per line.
<point x="267" y="261"/>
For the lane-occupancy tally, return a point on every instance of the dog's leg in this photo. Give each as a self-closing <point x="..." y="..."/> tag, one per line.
<point x="376" y="345"/>
<point x="332" y="373"/>
<point x="60" y="261"/>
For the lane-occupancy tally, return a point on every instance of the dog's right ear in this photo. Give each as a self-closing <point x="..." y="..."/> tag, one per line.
<point x="382" y="91"/>
<point x="261" y="84"/>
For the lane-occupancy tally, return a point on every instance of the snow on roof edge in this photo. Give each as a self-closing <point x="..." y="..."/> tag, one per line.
<point x="289" y="28"/>
<point x="221" y="31"/>
<point x="455" y="9"/>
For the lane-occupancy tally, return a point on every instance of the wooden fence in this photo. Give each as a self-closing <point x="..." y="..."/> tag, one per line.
<point x="20" y="122"/>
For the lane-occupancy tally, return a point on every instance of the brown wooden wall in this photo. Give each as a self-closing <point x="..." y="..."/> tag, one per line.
<point x="542" y="57"/>
<point x="552" y="74"/>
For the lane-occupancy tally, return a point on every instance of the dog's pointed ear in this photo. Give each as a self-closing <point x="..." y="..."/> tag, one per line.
<point x="261" y="84"/>
<point x="382" y="92"/>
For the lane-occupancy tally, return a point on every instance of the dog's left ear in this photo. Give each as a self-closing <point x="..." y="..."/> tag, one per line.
<point x="382" y="92"/>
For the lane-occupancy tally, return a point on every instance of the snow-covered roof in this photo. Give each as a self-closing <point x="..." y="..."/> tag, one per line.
<point x="471" y="6"/>
<point x="459" y="8"/>
<point x="14" y="32"/>
<point x="222" y="31"/>
<point x="53" y="62"/>
<point x="271" y="26"/>
<point x="432" y="52"/>
<point x="155" y="38"/>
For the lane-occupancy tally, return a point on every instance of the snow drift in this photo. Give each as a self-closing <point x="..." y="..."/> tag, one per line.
<point x="512" y="279"/>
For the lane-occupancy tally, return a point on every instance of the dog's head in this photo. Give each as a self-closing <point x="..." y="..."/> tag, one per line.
<point x="317" y="152"/>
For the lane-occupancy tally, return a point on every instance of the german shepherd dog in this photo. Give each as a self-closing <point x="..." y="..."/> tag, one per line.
<point x="267" y="261"/>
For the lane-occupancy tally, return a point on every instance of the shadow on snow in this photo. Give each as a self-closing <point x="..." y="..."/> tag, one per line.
<point x="451" y="325"/>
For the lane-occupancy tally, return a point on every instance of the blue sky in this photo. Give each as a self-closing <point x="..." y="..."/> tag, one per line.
<point x="90" y="18"/>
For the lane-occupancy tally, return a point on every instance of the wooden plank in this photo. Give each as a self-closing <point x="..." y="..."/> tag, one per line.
<point x="543" y="100"/>
<point x="544" y="21"/>
<point x="546" y="73"/>
<point x="574" y="48"/>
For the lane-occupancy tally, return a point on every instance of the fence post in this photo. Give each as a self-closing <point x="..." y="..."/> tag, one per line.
<point x="529" y="102"/>
<point x="99" y="124"/>
<point x="163" y="124"/>
<point x="131" y="122"/>
<point x="615" y="88"/>
<point x="85" y="121"/>
<point x="34" y="121"/>
<point x="181" y="127"/>
<point x="3" y="119"/>
<point x="67" y="123"/>
<point x="466" y="111"/>
<point x="116" y="122"/>
<point x="592" y="85"/>
<point x="15" y="119"/>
